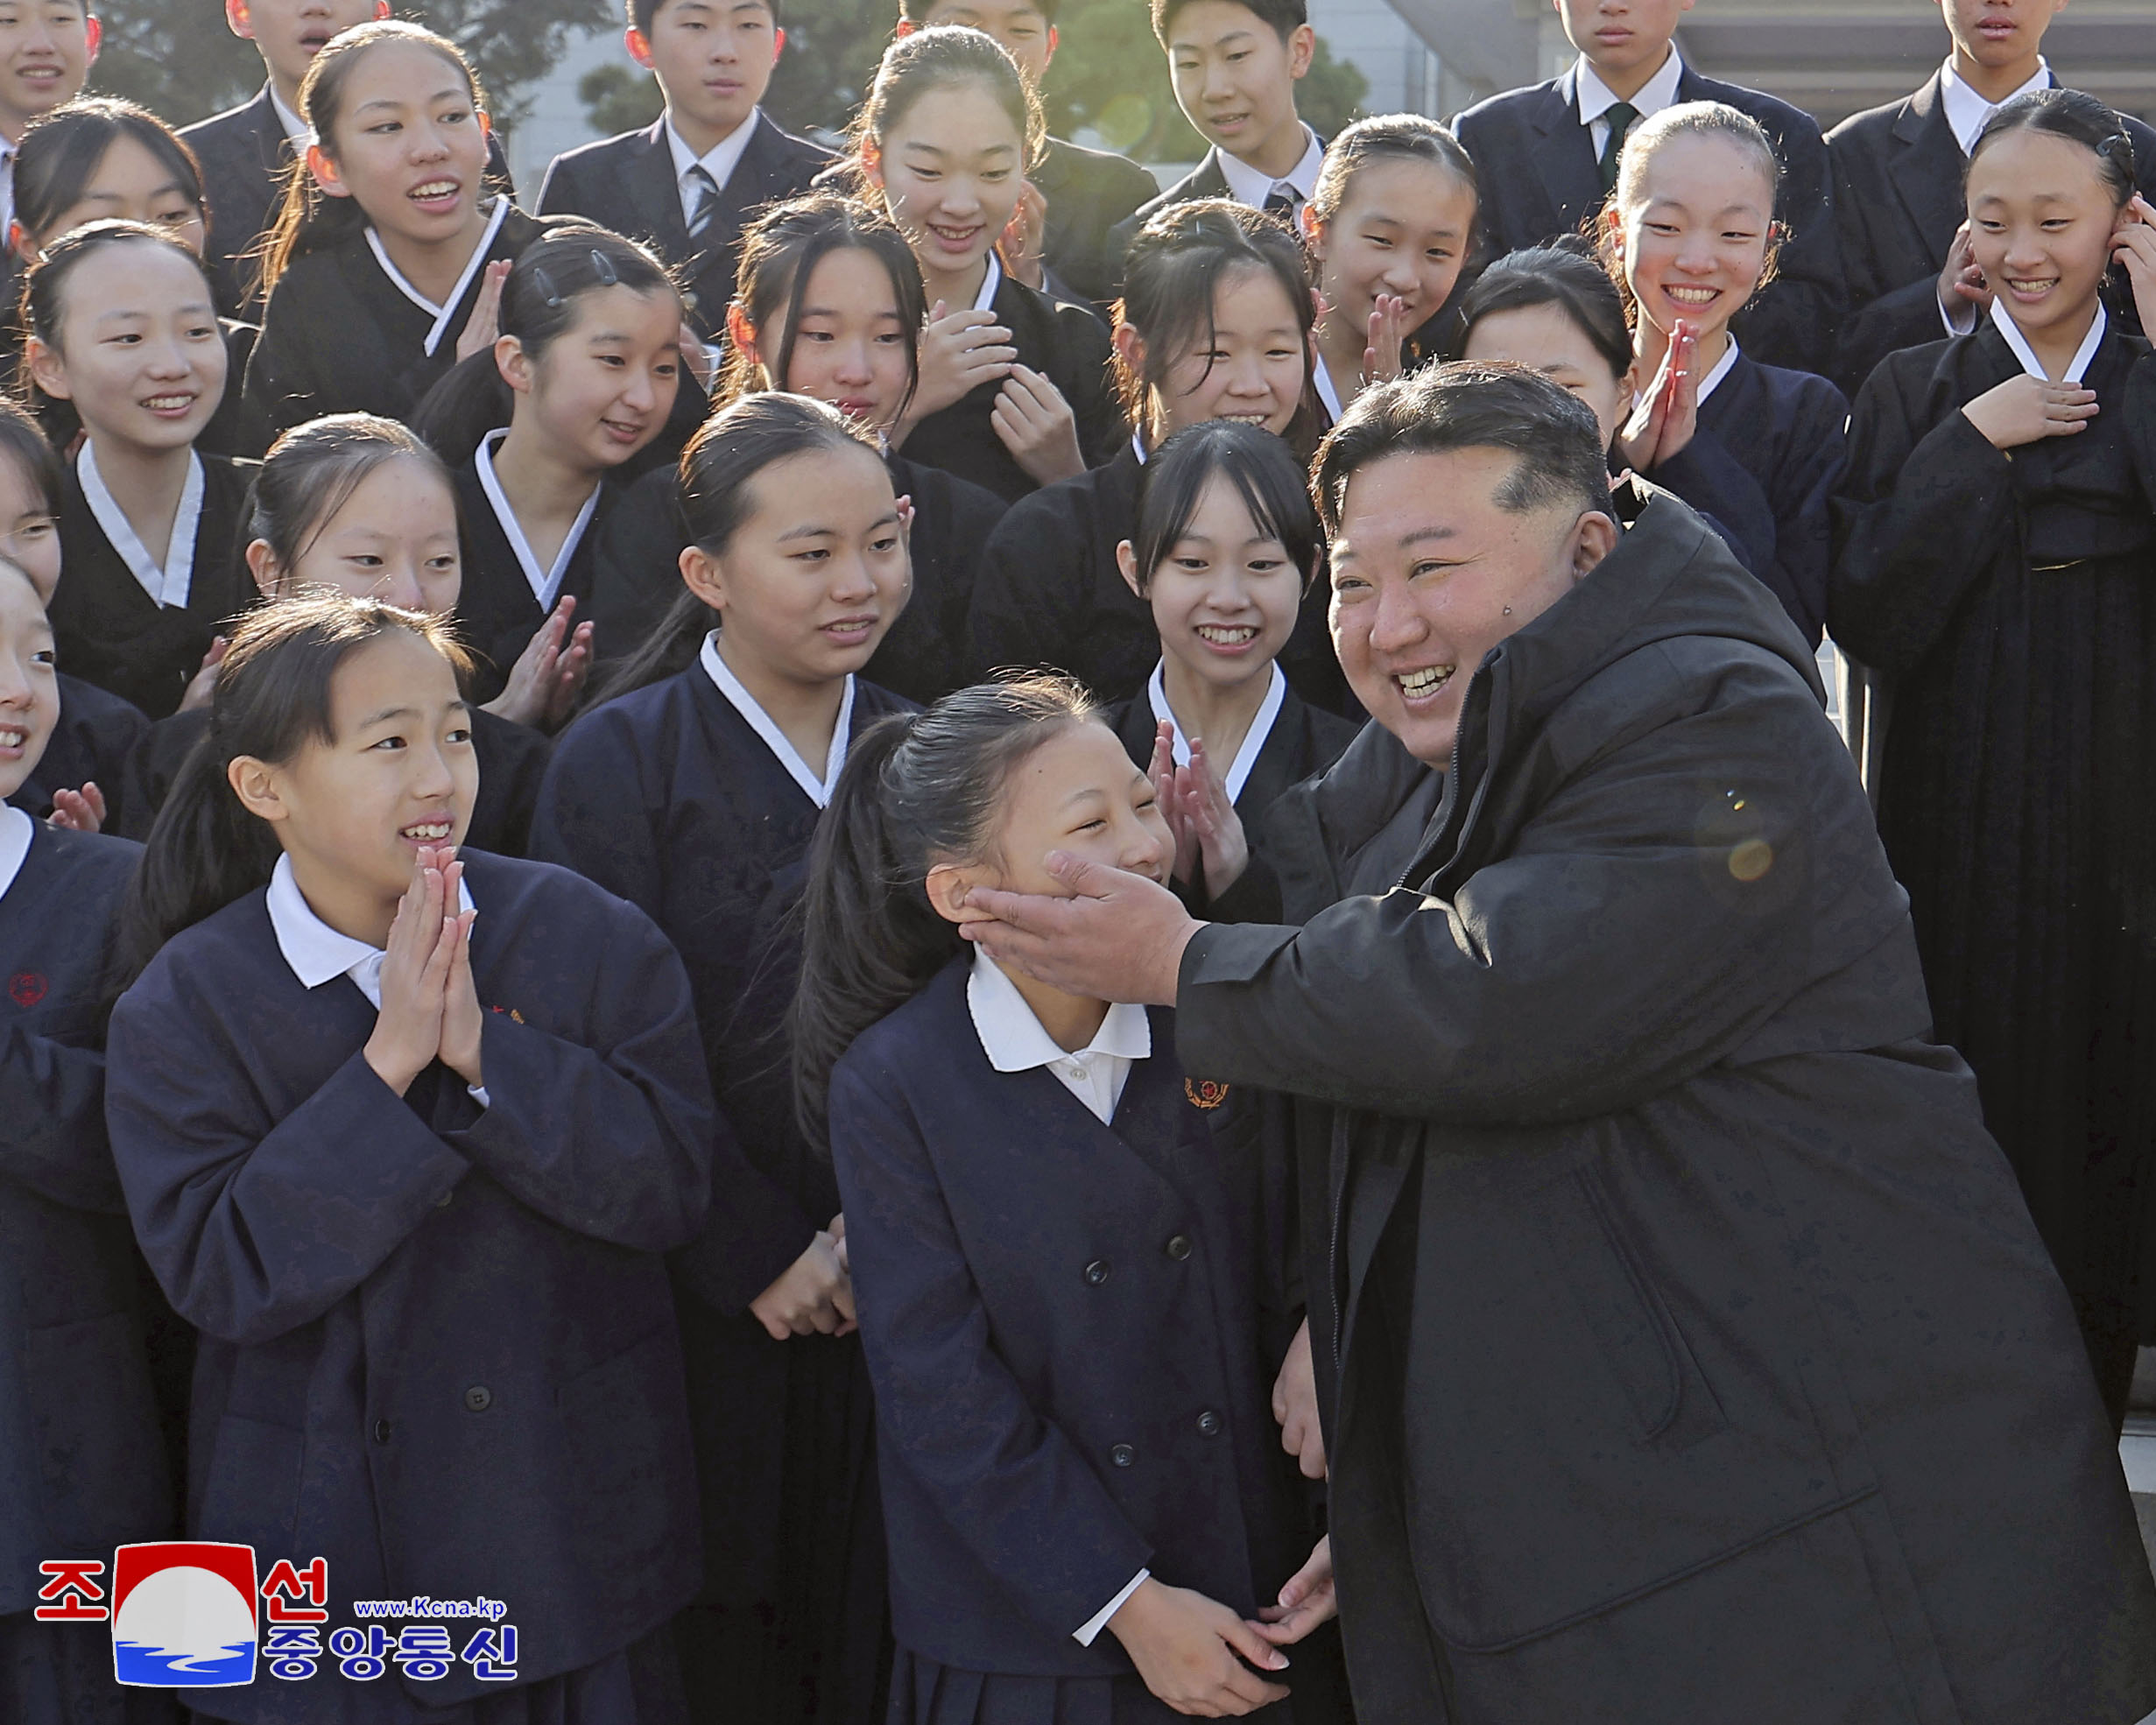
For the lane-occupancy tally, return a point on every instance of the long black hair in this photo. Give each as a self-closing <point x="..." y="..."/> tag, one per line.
<point x="272" y="698"/>
<point x="917" y="789"/>
<point x="538" y="307"/>
<point x="780" y="253"/>
<point x="1273" y="485"/>
<point x="713" y="497"/>
<point x="61" y="151"/>
<point x="1171" y="278"/>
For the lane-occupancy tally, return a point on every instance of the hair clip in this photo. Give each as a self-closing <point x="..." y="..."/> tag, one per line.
<point x="602" y="267"/>
<point x="547" y="291"/>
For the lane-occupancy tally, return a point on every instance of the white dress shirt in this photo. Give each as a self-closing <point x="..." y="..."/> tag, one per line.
<point x="298" y="133"/>
<point x="817" y="787"/>
<point x="168" y="585"/>
<point x="7" y="190"/>
<point x="1968" y="113"/>
<point x="1650" y="99"/>
<point x="443" y="315"/>
<point x="1012" y="1038"/>
<point x="1250" y="187"/>
<point x="545" y="584"/>
<point x="2026" y="355"/>
<point x="719" y="162"/>
<point x="17" y="829"/>
<point x="1238" y="773"/>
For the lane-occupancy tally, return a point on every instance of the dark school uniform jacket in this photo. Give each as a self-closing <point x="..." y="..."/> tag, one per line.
<point x="1304" y="741"/>
<point x="1645" y="1223"/>
<point x="1051" y="593"/>
<point x="511" y="759"/>
<point x="925" y="654"/>
<point x="111" y="633"/>
<point x="629" y="184"/>
<point x="1540" y="178"/>
<point x="1068" y="1329"/>
<point x="338" y="336"/>
<point x="1067" y="345"/>
<point x="438" y="1345"/>
<point x="82" y="1466"/>
<point x="1897" y="203"/>
<point x="1763" y="463"/>
<point x="1090" y="194"/>
<point x="96" y="734"/>
<point x="667" y="797"/>
<point x="244" y="157"/>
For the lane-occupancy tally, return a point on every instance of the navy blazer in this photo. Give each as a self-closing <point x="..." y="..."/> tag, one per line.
<point x="628" y="183"/>
<point x="82" y="1465"/>
<point x="1897" y="203"/>
<point x="1793" y="320"/>
<point x="1064" y="1325"/>
<point x="437" y="1341"/>
<point x="1089" y="193"/>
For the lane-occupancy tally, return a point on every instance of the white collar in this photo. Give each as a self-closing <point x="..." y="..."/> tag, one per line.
<point x="1250" y="187"/>
<point x="1650" y="99"/>
<point x="546" y="583"/>
<point x="1238" y="773"/>
<point x="444" y="315"/>
<point x="1328" y="397"/>
<point x="17" y="829"/>
<point x="316" y="952"/>
<point x="1968" y="111"/>
<point x="1012" y="1038"/>
<point x="297" y="131"/>
<point x="167" y="587"/>
<point x="2026" y="355"/>
<point x="1137" y="446"/>
<point x="817" y="788"/>
<point x="985" y="300"/>
<point x="1712" y="381"/>
<point x="721" y="160"/>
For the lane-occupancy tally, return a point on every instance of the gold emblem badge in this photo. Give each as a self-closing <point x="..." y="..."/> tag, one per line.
<point x="1204" y="1093"/>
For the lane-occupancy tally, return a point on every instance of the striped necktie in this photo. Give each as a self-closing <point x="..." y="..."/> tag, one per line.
<point x="1280" y="202"/>
<point x="707" y="202"/>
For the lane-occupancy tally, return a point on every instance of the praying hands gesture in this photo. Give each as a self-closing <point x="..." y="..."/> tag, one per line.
<point x="430" y="1008"/>
<point x="1195" y="802"/>
<point x="548" y="678"/>
<point x="1668" y="411"/>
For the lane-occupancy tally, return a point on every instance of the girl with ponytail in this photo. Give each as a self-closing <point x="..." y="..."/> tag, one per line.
<point x="404" y="1132"/>
<point x="694" y="795"/>
<point x="1056" y="1236"/>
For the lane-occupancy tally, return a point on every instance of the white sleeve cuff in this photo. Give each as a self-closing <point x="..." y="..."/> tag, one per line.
<point x="1099" y="1621"/>
<point x="478" y="1094"/>
<point x="1966" y="322"/>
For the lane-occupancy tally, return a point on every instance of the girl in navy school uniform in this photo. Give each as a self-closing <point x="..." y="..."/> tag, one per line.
<point x="123" y="341"/>
<point x="694" y="795"/>
<point x="1227" y="545"/>
<point x="1014" y="393"/>
<point x="386" y="262"/>
<point x="102" y="158"/>
<point x="1058" y="1263"/>
<point x="539" y="427"/>
<point x="827" y="304"/>
<point x="1391" y="224"/>
<point x="359" y="504"/>
<point x="1689" y="238"/>
<point x="78" y="776"/>
<point x="82" y="1464"/>
<point x="1215" y="323"/>
<point x="405" y="1130"/>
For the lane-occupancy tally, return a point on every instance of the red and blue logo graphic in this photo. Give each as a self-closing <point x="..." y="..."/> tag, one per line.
<point x="183" y="1615"/>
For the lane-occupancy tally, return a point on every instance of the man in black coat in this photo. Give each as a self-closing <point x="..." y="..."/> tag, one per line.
<point x="1898" y="173"/>
<point x="1547" y="161"/>
<point x="689" y="182"/>
<point x="1696" y="1358"/>
<point x="246" y="151"/>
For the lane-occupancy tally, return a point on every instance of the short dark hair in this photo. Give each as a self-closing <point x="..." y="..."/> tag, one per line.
<point x="1266" y="477"/>
<point x="61" y="152"/>
<point x="1467" y="404"/>
<point x="1562" y="274"/>
<point x="643" y="14"/>
<point x="1285" y="17"/>
<point x="917" y="11"/>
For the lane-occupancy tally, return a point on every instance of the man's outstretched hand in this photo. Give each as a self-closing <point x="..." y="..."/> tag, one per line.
<point x="1119" y="938"/>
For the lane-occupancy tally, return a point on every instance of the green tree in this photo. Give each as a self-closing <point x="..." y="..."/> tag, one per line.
<point x="619" y="98"/>
<point x="832" y="49"/>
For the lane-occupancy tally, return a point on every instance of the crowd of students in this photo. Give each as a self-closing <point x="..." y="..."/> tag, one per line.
<point x="791" y="1315"/>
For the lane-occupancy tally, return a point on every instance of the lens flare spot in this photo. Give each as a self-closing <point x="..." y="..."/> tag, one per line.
<point x="1751" y="860"/>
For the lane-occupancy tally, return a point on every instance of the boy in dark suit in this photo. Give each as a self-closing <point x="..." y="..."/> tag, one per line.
<point x="1082" y="194"/>
<point x="245" y="151"/>
<point x="1235" y="67"/>
<point x="1897" y="172"/>
<point x="1549" y="158"/>
<point x="688" y="183"/>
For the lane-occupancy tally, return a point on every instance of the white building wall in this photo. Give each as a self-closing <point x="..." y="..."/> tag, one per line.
<point x="558" y="120"/>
